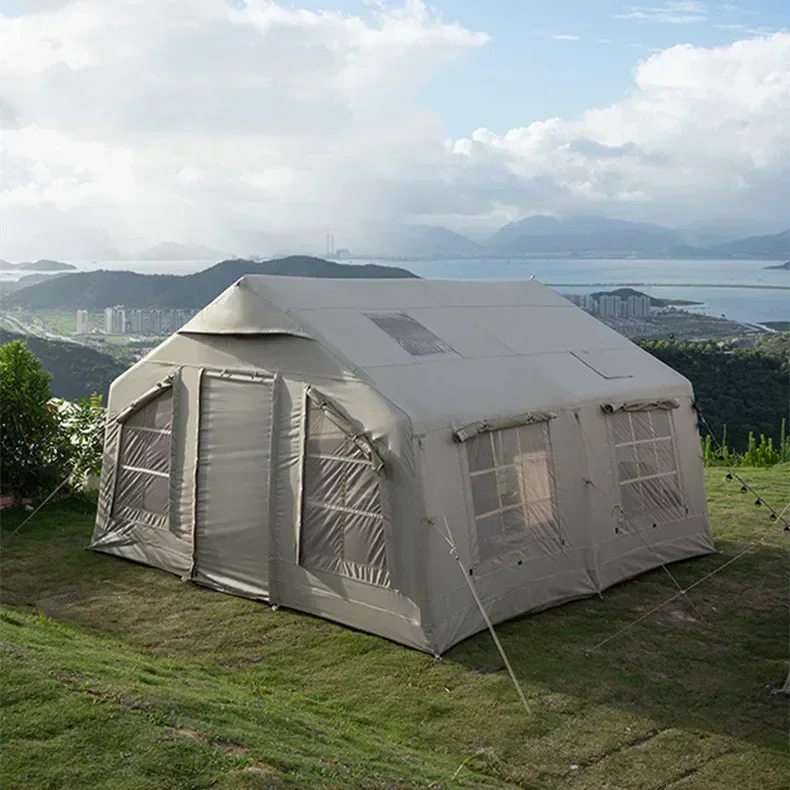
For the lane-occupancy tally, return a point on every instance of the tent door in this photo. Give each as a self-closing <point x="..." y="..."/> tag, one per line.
<point x="232" y="499"/>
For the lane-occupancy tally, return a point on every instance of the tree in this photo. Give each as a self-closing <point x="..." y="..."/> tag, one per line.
<point x="34" y="458"/>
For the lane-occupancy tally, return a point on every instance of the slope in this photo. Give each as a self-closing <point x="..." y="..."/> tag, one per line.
<point x="123" y="677"/>
<point x="97" y="290"/>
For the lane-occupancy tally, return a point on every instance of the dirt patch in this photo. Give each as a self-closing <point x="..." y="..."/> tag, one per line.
<point x="187" y="733"/>
<point x="231" y="749"/>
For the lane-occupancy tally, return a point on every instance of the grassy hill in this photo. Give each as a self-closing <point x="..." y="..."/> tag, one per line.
<point x="97" y="290"/>
<point x="76" y="370"/>
<point x="122" y="677"/>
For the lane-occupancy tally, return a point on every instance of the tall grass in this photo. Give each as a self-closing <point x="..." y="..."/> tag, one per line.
<point x="760" y="452"/>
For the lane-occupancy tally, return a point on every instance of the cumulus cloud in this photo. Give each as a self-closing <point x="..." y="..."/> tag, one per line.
<point x="704" y="132"/>
<point x="128" y="124"/>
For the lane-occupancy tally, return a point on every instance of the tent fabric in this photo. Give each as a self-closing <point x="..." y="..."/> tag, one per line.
<point x="299" y="441"/>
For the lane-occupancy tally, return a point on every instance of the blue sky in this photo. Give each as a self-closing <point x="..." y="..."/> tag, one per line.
<point x="525" y="74"/>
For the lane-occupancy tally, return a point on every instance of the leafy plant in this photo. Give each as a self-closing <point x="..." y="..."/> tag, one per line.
<point x="82" y="424"/>
<point x="758" y="453"/>
<point x="34" y="454"/>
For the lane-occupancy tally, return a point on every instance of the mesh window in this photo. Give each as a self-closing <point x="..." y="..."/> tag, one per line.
<point x="410" y="334"/>
<point x="142" y="488"/>
<point x="647" y="468"/>
<point x="511" y="482"/>
<point x="342" y="527"/>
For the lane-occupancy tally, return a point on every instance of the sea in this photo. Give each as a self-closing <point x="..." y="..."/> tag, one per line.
<point x="744" y="291"/>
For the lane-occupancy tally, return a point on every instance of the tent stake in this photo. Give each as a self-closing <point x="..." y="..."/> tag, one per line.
<point x="454" y="555"/>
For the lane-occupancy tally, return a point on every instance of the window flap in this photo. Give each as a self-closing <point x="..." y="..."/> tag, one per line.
<point x="345" y="424"/>
<point x="467" y="432"/>
<point x="148" y="396"/>
<point x="609" y="364"/>
<point x="667" y="404"/>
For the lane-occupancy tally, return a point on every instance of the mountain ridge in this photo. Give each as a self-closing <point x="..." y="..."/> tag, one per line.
<point x="100" y="289"/>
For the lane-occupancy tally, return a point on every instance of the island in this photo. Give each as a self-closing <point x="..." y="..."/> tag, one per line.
<point x="783" y="266"/>
<point x="624" y="293"/>
<point x="42" y="265"/>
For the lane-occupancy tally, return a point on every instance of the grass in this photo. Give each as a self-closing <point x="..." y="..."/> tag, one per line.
<point x="119" y="676"/>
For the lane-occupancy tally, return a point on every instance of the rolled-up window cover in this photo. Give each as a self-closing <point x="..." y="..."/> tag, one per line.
<point x="667" y="404"/>
<point x="145" y="398"/>
<point x="343" y="421"/>
<point x="467" y="432"/>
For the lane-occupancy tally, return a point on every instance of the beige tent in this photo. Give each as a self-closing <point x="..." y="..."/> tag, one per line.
<point x="307" y="442"/>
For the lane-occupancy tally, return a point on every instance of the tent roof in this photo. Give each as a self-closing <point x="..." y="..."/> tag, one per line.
<point x="448" y="350"/>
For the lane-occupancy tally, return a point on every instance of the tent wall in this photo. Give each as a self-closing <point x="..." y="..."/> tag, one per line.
<point x="599" y="549"/>
<point x="389" y="611"/>
<point x="235" y="518"/>
<point x="170" y="548"/>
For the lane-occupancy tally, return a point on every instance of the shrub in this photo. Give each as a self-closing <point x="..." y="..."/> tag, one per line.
<point x="34" y="454"/>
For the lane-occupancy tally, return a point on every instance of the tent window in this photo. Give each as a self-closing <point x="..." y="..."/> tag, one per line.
<point x="342" y="527"/>
<point x="511" y="482"/>
<point x="647" y="467"/>
<point x="410" y="334"/>
<point x="142" y="489"/>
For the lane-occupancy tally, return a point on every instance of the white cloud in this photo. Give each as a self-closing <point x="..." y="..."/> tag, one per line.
<point x="565" y="37"/>
<point x="670" y="13"/>
<point x="124" y="126"/>
<point x="704" y="132"/>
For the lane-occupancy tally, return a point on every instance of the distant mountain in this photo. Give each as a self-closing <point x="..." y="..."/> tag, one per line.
<point x="783" y="266"/>
<point x="769" y="247"/>
<point x="97" y="290"/>
<point x="775" y="245"/>
<point x="421" y="241"/>
<point x="76" y="370"/>
<point x="543" y="235"/>
<point x="9" y="286"/>
<point x="171" y="251"/>
<point x="42" y="265"/>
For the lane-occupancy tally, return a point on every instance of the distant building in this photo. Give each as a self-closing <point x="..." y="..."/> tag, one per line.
<point x="613" y="305"/>
<point x="118" y="320"/>
<point x="115" y="320"/>
<point x="585" y="301"/>
<point x="82" y="322"/>
<point x="608" y="306"/>
<point x="638" y="306"/>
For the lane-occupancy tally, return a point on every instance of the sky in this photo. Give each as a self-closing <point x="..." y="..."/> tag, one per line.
<point x="246" y="125"/>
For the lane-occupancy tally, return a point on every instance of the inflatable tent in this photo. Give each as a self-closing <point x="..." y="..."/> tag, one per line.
<point x="309" y="442"/>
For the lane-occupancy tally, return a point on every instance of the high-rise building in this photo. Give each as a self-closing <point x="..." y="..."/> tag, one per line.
<point x="608" y="305"/>
<point x="82" y="322"/>
<point x="115" y="320"/>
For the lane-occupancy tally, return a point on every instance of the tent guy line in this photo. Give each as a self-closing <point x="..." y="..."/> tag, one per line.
<point x="677" y="595"/>
<point x="468" y="577"/>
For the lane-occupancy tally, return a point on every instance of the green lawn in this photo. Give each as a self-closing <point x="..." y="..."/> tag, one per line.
<point x="119" y="676"/>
